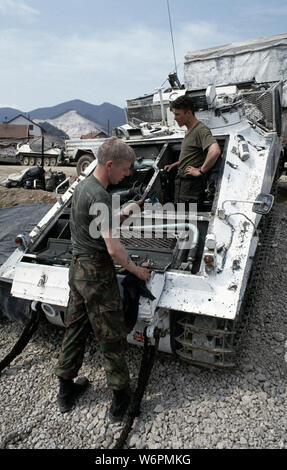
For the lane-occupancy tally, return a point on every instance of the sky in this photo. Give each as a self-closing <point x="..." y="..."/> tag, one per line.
<point x="52" y="51"/>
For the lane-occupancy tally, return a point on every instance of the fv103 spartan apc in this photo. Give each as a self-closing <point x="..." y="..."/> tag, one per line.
<point x="200" y="262"/>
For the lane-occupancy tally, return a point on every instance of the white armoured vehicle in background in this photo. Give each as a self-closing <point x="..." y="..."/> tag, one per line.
<point x="40" y="151"/>
<point x="199" y="291"/>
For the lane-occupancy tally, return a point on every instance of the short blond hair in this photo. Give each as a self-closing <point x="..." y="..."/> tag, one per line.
<point x="116" y="150"/>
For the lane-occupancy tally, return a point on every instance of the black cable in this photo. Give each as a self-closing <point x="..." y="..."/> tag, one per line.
<point x="24" y="339"/>
<point x="144" y="373"/>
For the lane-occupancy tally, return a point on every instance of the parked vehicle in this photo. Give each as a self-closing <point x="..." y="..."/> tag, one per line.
<point x="201" y="262"/>
<point x="40" y="151"/>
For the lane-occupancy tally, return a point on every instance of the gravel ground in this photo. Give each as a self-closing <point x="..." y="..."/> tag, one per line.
<point x="184" y="407"/>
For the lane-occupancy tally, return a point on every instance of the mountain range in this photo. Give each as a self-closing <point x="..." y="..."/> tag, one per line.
<point x="76" y="117"/>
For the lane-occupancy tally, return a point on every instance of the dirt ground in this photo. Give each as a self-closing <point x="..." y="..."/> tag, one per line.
<point x="12" y="196"/>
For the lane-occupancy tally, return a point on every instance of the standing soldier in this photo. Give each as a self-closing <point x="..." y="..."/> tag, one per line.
<point x="199" y="152"/>
<point x="95" y="300"/>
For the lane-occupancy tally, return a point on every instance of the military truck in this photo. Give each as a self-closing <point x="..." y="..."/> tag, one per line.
<point x="200" y="262"/>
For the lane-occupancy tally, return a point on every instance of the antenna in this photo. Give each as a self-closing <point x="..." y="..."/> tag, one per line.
<point x="167" y="1"/>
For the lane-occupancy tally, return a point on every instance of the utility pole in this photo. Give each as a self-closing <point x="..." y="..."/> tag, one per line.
<point x="42" y="153"/>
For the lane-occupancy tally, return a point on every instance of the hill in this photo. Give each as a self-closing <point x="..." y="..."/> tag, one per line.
<point x="53" y="130"/>
<point x="73" y="124"/>
<point x="99" y="114"/>
<point x="9" y="113"/>
<point x="105" y="116"/>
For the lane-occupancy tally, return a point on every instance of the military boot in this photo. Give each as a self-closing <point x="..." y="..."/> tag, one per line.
<point x="69" y="391"/>
<point x="120" y="403"/>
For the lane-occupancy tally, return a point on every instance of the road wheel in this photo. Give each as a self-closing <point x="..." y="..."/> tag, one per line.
<point x="39" y="161"/>
<point x="46" y="162"/>
<point x="31" y="161"/>
<point x="53" y="161"/>
<point x="84" y="162"/>
<point x="25" y="161"/>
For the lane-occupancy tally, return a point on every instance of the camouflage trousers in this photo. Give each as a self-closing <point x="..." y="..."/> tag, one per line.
<point x="95" y="303"/>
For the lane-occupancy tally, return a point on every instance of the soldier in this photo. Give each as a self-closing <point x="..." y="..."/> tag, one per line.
<point x="199" y="152"/>
<point x="95" y="300"/>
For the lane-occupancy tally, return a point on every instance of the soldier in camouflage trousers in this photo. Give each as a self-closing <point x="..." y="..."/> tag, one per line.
<point x="95" y="303"/>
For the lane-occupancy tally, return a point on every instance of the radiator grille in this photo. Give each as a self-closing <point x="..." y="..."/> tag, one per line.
<point x="151" y="244"/>
<point x="264" y="102"/>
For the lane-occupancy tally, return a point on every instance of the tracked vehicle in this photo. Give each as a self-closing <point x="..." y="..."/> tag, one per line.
<point x="201" y="262"/>
<point x="40" y="151"/>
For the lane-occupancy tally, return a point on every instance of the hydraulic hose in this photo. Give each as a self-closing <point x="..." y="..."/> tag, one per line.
<point x="24" y="339"/>
<point x="144" y="373"/>
<point x="179" y="226"/>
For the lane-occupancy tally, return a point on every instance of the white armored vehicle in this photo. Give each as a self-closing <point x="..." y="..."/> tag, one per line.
<point x="200" y="261"/>
<point x="40" y="151"/>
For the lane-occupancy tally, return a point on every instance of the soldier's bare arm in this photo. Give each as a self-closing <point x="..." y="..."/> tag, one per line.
<point x="120" y="255"/>
<point x="211" y="157"/>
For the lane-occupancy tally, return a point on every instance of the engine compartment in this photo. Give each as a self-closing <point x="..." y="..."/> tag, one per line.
<point x="148" y="180"/>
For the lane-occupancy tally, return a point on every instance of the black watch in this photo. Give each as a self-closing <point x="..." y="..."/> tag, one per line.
<point x="200" y="171"/>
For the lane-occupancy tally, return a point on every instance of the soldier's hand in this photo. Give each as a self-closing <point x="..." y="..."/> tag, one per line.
<point x="191" y="170"/>
<point x="142" y="273"/>
<point x="140" y="203"/>
<point x="168" y="167"/>
<point x="132" y="207"/>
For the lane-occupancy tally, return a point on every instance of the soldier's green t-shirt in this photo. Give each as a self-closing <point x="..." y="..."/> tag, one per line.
<point x="193" y="152"/>
<point x="91" y="211"/>
<point x="194" y="147"/>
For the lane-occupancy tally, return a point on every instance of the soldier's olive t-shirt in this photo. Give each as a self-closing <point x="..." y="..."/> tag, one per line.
<point x="194" y="147"/>
<point x="90" y="202"/>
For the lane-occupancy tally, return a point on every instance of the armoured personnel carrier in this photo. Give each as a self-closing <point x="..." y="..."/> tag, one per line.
<point x="40" y="151"/>
<point x="201" y="262"/>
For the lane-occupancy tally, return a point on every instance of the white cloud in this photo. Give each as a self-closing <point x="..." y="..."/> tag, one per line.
<point x="15" y="106"/>
<point x="136" y="52"/>
<point x="203" y="35"/>
<point x="262" y="10"/>
<point x="111" y="66"/>
<point x="18" y="8"/>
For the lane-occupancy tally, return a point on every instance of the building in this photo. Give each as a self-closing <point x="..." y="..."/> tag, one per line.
<point x="17" y="130"/>
<point x="34" y="129"/>
<point x="97" y="134"/>
<point x="13" y="131"/>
